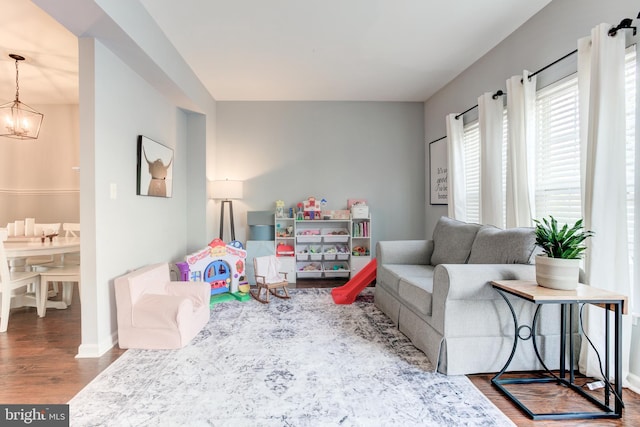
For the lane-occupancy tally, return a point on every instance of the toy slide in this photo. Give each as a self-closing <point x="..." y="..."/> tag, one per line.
<point x="347" y="293"/>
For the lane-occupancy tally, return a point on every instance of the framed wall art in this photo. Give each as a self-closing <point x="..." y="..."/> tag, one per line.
<point x="439" y="189"/>
<point x="155" y="168"/>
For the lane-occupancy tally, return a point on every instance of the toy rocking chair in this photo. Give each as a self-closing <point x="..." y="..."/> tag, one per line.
<point x="269" y="278"/>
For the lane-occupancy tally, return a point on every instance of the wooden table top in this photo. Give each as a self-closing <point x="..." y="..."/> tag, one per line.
<point x="530" y="290"/>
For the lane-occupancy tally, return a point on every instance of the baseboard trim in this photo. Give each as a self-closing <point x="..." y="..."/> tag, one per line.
<point x="633" y="383"/>
<point x="97" y="350"/>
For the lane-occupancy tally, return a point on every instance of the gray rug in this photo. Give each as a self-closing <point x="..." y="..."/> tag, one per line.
<point x="298" y="362"/>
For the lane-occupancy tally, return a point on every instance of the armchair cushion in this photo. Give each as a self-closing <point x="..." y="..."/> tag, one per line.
<point x="452" y="241"/>
<point x="159" y="311"/>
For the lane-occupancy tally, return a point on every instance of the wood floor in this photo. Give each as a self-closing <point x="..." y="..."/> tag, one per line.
<point x="37" y="366"/>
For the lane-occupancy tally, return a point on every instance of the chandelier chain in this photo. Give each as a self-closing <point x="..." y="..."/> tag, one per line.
<point x="17" y="85"/>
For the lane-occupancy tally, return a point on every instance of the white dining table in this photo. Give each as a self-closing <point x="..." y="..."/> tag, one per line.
<point x="24" y="248"/>
<point x="32" y="247"/>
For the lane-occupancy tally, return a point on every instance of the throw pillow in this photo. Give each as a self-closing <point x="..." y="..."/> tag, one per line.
<point x="452" y="241"/>
<point x="493" y="245"/>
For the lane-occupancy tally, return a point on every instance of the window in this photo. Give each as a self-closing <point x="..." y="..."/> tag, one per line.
<point x="472" y="170"/>
<point x="630" y="86"/>
<point x="557" y="154"/>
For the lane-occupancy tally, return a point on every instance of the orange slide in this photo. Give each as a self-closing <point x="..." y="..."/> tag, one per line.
<point x="347" y="293"/>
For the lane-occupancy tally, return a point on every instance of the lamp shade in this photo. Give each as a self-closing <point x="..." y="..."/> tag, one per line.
<point x="226" y="189"/>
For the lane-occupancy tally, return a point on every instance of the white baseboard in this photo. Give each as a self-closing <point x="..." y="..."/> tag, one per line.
<point x="97" y="350"/>
<point x="634" y="383"/>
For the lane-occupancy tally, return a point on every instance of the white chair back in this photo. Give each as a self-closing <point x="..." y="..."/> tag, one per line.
<point x="71" y="229"/>
<point x="5" y="276"/>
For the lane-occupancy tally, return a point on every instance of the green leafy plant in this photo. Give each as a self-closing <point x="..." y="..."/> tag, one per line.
<point x="564" y="242"/>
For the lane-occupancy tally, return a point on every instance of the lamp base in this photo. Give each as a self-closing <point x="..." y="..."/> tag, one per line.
<point x="233" y="228"/>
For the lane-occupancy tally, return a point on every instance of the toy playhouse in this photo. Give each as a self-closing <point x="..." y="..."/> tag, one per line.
<point x="223" y="266"/>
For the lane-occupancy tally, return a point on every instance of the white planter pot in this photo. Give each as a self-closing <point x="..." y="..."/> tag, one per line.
<point x="557" y="273"/>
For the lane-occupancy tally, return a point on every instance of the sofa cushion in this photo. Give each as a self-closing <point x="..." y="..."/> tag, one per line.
<point x="493" y="245"/>
<point x="389" y="275"/>
<point x="452" y="241"/>
<point x="416" y="292"/>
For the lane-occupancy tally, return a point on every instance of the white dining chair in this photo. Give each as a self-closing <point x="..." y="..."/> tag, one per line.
<point x="66" y="273"/>
<point x="13" y="285"/>
<point x="71" y="229"/>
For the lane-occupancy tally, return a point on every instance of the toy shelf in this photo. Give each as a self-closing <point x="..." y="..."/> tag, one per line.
<point x="327" y="244"/>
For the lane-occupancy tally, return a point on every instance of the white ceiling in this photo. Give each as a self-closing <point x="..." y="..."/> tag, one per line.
<point x="49" y="73"/>
<point x="380" y="50"/>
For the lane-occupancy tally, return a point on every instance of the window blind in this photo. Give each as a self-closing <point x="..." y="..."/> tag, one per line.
<point x="557" y="154"/>
<point x="630" y="99"/>
<point x="505" y="138"/>
<point x="472" y="170"/>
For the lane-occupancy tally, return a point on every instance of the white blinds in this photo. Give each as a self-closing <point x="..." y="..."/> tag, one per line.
<point x="472" y="170"/>
<point x="557" y="156"/>
<point x="630" y="93"/>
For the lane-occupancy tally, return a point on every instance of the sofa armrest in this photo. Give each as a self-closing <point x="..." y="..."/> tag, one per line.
<point x="455" y="283"/>
<point x="473" y="281"/>
<point x="200" y="292"/>
<point x="404" y="252"/>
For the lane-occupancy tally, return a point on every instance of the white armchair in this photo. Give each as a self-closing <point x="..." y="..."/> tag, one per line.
<point x="156" y="313"/>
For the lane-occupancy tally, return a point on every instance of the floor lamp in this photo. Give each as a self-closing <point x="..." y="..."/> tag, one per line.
<point x="226" y="191"/>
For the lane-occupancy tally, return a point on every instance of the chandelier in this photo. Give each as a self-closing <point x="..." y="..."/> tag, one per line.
<point x="18" y="120"/>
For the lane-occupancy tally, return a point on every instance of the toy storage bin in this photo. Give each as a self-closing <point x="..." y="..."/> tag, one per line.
<point x="343" y="252"/>
<point x="359" y="211"/>
<point x="332" y="235"/>
<point x="302" y="254"/>
<point x="309" y="269"/>
<point x="336" y="269"/>
<point x="315" y="252"/>
<point x="309" y="236"/>
<point x="309" y="252"/>
<point x="329" y="252"/>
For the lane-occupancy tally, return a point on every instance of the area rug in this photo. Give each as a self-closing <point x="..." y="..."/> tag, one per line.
<point x="298" y="362"/>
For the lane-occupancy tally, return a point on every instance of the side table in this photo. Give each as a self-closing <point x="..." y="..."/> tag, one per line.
<point x="610" y="301"/>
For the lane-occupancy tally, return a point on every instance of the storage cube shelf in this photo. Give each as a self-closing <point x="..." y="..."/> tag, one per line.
<point x="326" y="247"/>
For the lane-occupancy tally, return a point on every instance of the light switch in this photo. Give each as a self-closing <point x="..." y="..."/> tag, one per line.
<point x="114" y="190"/>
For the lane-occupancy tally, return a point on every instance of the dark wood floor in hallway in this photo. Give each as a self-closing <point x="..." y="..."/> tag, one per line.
<point x="37" y="366"/>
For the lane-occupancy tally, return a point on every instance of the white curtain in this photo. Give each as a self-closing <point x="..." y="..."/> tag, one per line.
<point x="490" y="123"/>
<point x="457" y="195"/>
<point x="521" y="104"/>
<point x="602" y="134"/>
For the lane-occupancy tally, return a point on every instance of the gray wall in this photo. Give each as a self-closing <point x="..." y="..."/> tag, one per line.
<point x="132" y="82"/>
<point x="549" y="35"/>
<point x="331" y="150"/>
<point x="130" y="231"/>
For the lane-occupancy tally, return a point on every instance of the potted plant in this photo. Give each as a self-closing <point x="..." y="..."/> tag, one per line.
<point x="559" y="266"/>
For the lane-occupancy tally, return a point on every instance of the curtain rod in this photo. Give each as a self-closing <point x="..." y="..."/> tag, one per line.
<point x="625" y="24"/>
<point x="439" y="139"/>
<point x="494" y="96"/>
<point x="551" y="64"/>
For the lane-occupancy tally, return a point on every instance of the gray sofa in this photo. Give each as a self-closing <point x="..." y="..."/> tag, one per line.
<point x="438" y="293"/>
